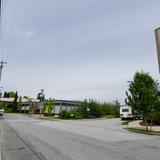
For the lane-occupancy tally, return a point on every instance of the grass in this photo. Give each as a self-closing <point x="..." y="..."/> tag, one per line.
<point x="143" y="131"/>
<point x="126" y="122"/>
<point x="74" y="118"/>
<point x="149" y="124"/>
<point x="139" y="130"/>
<point x="109" y="116"/>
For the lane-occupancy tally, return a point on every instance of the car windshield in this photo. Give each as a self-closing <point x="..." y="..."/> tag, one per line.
<point x="125" y="110"/>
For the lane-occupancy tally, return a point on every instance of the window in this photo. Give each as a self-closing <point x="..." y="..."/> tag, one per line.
<point x="125" y="110"/>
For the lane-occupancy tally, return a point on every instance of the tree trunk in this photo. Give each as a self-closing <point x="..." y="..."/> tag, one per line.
<point x="146" y="124"/>
<point x="151" y="124"/>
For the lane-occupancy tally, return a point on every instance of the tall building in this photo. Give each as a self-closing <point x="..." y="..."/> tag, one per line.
<point x="157" y="34"/>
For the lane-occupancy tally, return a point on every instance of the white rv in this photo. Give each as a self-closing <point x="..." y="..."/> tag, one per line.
<point x="126" y="112"/>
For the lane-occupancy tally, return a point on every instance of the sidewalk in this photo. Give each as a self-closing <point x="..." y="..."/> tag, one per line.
<point x="135" y="124"/>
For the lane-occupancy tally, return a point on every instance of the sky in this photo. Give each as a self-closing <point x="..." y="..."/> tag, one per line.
<point x="77" y="49"/>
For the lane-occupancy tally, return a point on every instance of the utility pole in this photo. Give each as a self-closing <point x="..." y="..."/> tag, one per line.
<point x="0" y="7"/>
<point x="1" y="67"/>
<point x="2" y="63"/>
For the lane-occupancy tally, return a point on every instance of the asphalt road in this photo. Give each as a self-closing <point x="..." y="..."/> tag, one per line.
<point x="26" y="138"/>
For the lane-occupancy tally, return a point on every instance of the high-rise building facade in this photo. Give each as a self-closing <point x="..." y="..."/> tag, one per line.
<point x="157" y="34"/>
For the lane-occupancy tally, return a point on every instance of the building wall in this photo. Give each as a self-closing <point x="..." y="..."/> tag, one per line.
<point x="59" y="108"/>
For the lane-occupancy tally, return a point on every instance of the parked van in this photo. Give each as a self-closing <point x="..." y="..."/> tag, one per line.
<point x="126" y="112"/>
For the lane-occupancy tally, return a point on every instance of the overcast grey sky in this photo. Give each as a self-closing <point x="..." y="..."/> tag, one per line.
<point x="78" y="49"/>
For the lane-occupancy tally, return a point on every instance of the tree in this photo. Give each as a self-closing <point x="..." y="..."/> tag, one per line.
<point x="142" y="95"/>
<point x="15" y="104"/>
<point x="2" y="105"/>
<point x="6" y="95"/>
<point x="44" y="107"/>
<point x="83" y="109"/>
<point x="50" y="106"/>
<point x="12" y="94"/>
<point x="31" y="107"/>
<point x="20" y="104"/>
<point x="115" y="106"/>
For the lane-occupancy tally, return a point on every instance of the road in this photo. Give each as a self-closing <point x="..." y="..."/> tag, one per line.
<point x="28" y="138"/>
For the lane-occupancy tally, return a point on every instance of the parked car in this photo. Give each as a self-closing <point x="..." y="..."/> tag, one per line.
<point x="137" y="116"/>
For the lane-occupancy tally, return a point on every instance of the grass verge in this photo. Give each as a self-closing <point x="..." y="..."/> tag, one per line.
<point x="126" y="122"/>
<point x="143" y="131"/>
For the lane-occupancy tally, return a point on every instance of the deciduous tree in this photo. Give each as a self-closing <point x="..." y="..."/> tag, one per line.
<point x="142" y="95"/>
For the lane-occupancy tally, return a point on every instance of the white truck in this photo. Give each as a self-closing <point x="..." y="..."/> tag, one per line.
<point x="126" y="112"/>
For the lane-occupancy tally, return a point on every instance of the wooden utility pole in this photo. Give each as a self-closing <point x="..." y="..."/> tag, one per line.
<point x="1" y="39"/>
<point x="1" y="67"/>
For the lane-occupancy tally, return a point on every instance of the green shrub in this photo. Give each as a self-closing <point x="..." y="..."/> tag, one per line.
<point x="48" y="114"/>
<point x="156" y="118"/>
<point x="70" y="114"/>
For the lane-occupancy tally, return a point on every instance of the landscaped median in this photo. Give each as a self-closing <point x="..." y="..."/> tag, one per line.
<point x="135" y="126"/>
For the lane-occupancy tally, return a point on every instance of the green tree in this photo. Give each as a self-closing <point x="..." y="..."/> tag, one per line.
<point x="6" y="95"/>
<point x="50" y="106"/>
<point x="2" y="105"/>
<point x="115" y="106"/>
<point x="142" y="95"/>
<point x="15" y="103"/>
<point x="31" y="107"/>
<point x="45" y="105"/>
<point x="20" y="104"/>
<point x="83" y="109"/>
<point x="12" y="94"/>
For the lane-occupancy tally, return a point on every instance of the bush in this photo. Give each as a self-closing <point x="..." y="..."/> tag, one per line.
<point x="97" y="109"/>
<point x="48" y="114"/>
<point x="70" y="114"/>
<point x="155" y="118"/>
<point x="7" y="108"/>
